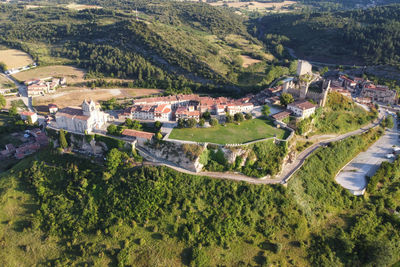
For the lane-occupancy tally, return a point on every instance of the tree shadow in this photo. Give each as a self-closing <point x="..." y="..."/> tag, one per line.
<point x="186" y="256"/>
<point x="157" y="236"/>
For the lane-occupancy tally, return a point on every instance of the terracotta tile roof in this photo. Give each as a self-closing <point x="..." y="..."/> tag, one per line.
<point x="160" y="108"/>
<point x="303" y="105"/>
<point x="281" y="115"/>
<point x="27" y="113"/>
<point x="140" y="134"/>
<point x="167" y="110"/>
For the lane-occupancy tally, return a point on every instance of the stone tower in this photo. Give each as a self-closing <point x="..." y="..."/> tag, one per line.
<point x="88" y="107"/>
<point x="303" y="89"/>
<point x="326" y="86"/>
<point x="303" y="67"/>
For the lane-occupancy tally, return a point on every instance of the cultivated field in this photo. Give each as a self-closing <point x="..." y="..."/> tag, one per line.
<point x="82" y="7"/>
<point x="248" y="61"/>
<point x="73" y="75"/>
<point x="231" y="133"/>
<point x="32" y="6"/>
<point x="15" y="58"/>
<point x="255" y="5"/>
<point x="74" y="96"/>
<point x="5" y="83"/>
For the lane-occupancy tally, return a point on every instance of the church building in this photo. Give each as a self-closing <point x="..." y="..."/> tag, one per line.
<point x="81" y="119"/>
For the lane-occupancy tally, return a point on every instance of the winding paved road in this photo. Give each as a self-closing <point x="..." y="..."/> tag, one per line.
<point x="282" y="178"/>
<point x="23" y="92"/>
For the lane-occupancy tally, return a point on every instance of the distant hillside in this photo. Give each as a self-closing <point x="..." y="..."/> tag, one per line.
<point x="344" y="4"/>
<point x="169" y="45"/>
<point x="200" y="16"/>
<point x="370" y="36"/>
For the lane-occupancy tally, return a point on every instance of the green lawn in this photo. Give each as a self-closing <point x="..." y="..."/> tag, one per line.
<point x="231" y="133"/>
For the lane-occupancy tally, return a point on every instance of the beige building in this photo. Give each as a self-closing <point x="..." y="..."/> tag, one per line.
<point x="302" y="109"/>
<point x="81" y="119"/>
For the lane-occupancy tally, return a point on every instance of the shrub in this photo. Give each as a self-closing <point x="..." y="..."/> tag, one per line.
<point x="213" y="122"/>
<point x="239" y="117"/>
<point x="62" y="139"/>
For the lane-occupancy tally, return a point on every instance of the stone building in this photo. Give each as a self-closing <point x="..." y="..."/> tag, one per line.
<point x="302" y="109"/>
<point x="81" y="119"/>
<point x="379" y="93"/>
<point x="303" y="68"/>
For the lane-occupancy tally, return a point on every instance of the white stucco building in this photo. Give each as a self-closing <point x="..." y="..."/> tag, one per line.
<point x="81" y="119"/>
<point x="303" y="109"/>
<point x="28" y="115"/>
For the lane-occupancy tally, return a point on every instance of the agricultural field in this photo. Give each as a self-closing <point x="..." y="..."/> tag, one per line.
<point x="73" y="74"/>
<point x="246" y="131"/>
<point x="74" y="96"/>
<point x="79" y="7"/>
<point x="257" y="6"/>
<point x="5" y="83"/>
<point x="248" y="61"/>
<point x="15" y="58"/>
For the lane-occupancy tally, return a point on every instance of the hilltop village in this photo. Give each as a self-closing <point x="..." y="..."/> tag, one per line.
<point x="309" y="91"/>
<point x="180" y="129"/>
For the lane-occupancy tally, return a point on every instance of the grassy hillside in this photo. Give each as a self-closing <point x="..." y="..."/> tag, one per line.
<point x="348" y="230"/>
<point x="342" y="115"/>
<point x="343" y="37"/>
<point x="64" y="210"/>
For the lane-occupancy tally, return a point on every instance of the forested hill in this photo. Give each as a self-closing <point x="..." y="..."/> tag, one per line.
<point x="325" y="5"/>
<point x="201" y="16"/>
<point x="169" y="46"/>
<point x="370" y="36"/>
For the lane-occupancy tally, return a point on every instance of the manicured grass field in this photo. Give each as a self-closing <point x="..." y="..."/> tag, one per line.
<point x="231" y="133"/>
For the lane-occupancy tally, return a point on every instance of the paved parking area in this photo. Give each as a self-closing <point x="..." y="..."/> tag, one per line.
<point x="353" y="176"/>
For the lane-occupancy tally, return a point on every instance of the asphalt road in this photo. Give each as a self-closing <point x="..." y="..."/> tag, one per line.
<point x="353" y="175"/>
<point x="283" y="178"/>
<point x="22" y="92"/>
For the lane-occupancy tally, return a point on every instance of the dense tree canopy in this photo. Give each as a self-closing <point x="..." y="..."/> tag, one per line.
<point x="364" y="36"/>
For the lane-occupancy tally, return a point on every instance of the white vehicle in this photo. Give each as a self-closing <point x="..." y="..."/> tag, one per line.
<point x="389" y="156"/>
